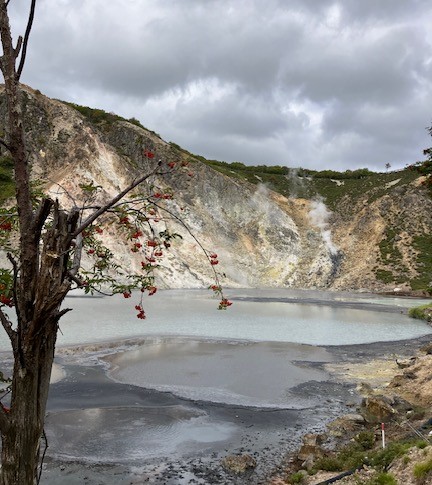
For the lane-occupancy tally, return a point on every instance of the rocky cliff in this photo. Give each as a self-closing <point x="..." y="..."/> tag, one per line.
<point x="371" y="234"/>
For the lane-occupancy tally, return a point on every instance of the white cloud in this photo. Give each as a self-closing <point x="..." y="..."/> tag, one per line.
<point x="341" y="84"/>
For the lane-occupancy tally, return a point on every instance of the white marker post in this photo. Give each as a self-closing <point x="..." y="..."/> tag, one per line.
<point x="383" y="435"/>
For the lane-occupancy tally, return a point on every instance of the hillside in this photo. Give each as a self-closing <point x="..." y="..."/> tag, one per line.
<point x="271" y="226"/>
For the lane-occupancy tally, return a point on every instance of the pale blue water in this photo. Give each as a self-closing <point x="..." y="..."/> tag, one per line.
<point x="257" y="353"/>
<point x="194" y="313"/>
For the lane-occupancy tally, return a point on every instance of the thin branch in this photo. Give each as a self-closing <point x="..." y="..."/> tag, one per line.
<point x="18" y="47"/>
<point x="3" y="143"/>
<point x="44" y="436"/>
<point x="77" y="259"/>
<point x="64" y="191"/>
<point x="42" y="215"/>
<point x="7" y="325"/>
<point x="204" y="250"/>
<point x="114" y="200"/>
<point x="62" y="312"/>
<point x="15" y="281"/>
<point x="75" y="279"/>
<point x="26" y="38"/>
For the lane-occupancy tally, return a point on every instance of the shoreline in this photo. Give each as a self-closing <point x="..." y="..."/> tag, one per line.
<point x="268" y="439"/>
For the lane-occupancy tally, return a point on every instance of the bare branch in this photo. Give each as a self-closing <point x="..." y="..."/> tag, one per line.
<point x="114" y="200"/>
<point x="26" y="38"/>
<point x="18" y="46"/>
<point x="65" y="191"/>
<point x="77" y="259"/>
<point x="181" y="221"/>
<point x="42" y="214"/>
<point x="75" y="279"/>
<point x="15" y="282"/>
<point x="62" y="312"/>
<point x="2" y="142"/>
<point x="44" y="436"/>
<point x="7" y="325"/>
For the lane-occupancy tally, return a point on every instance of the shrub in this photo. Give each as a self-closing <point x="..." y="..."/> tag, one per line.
<point x="329" y="464"/>
<point x="382" y="479"/>
<point x="422" y="470"/>
<point x="365" y="439"/>
<point x="423" y="312"/>
<point x="297" y="477"/>
<point x="383" y="458"/>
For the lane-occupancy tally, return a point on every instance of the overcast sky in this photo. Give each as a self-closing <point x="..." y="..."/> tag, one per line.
<point x="312" y="83"/>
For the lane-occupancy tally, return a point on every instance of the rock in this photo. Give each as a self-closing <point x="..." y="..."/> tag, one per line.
<point x="353" y="418"/>
<point x="238" y="463"/>
<point x="397" y="381"/>
<point x="404" y="363"/>
<point x="349" y="422"/>
<point x="427" y="349"/>
<point x="377" y="409"/>
<point x="311" y="450"/>
<point x="365" y="389"/>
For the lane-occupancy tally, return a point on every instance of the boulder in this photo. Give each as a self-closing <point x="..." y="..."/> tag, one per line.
<point x="427" y="349"/>
<point x="404" y="363"/>
<point x="377" y="409"/>
<point x="311" y="450"/>
<point x="347" y="423"/>
<point x="238" y="463"/>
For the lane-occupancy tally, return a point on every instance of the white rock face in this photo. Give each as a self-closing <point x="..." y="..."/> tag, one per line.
<point x="262" y="238"/>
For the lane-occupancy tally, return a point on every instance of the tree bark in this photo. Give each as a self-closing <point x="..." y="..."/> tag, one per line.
<point x="34" y="357"/>
<point x="21" y="443"/>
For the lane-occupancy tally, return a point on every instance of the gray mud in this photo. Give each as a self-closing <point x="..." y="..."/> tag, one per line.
<point x="102" y="431"/>
<point x="105" y="432"/>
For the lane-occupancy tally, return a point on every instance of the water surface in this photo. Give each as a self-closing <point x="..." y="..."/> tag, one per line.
<point x="266" y="315"/>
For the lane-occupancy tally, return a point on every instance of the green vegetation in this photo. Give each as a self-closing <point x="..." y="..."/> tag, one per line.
<point x="423" y="312"/>
<point x="297" y="477"/>
<point x="384" y="275"/>
<point x="382" y="478"/>
<point x="339" y="189"/>
<point x="391" y="257"/>
<point x="102" y="118"/>
<point x="423" y="245"/>
<point x="365" y="439"/>
<point x="423" y="470"/>
<point x="354" y="455"/>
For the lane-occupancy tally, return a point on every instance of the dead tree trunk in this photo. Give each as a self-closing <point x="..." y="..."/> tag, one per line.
<point x="34" y="354"/>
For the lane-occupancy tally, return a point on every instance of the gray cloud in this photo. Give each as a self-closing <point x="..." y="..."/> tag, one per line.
<point x="325" y="83"/>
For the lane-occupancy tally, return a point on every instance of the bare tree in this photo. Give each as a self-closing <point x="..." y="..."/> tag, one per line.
<point x="43" y="269"/>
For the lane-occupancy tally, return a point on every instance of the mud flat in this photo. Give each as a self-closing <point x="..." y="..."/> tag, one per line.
<point x="101" y="430"/>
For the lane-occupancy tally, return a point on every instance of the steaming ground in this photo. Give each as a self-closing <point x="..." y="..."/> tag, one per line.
<point x="320" y="216"/>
